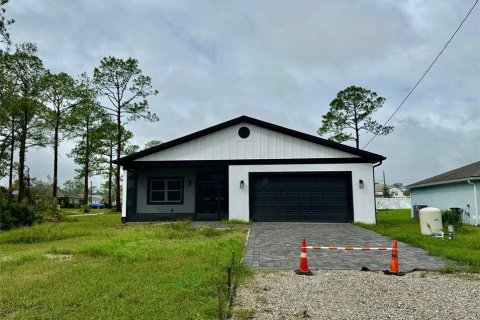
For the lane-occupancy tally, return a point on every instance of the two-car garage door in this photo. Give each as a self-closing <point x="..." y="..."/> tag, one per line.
<point x="312" y="196"/>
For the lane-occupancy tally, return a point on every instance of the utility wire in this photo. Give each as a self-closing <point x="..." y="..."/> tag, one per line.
<point x="425" y="73"/>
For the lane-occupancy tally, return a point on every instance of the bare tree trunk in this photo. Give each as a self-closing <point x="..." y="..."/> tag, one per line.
<point x="86" y="169"/>
<point x="12" y="155"/>
<point x="117" y="171"/>
<point x="357" y="137"/>
<point x="5" y="146"/>
<point x="55" y="157"/>
<point x="110" y="176"/>
<point x="21" y="156"/>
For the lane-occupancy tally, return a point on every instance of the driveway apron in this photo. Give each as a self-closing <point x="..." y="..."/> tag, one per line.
<point x="277" y="245"/>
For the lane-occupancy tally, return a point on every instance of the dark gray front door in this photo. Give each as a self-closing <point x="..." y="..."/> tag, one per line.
<point x="211" y="195"/>
<point x="313" y="196"/>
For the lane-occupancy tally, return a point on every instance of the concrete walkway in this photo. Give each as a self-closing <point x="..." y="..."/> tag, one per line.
<point x="84" y="214"/>
<point x="277" y="245"/>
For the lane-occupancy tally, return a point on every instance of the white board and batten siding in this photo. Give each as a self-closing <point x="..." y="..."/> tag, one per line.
<point x="262" y="143"/>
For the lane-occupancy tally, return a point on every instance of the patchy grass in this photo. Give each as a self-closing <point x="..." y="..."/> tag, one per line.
<point x="397" y="224"/>
<point x="95" y="268"/>
<point x="75" y="211"/>
<point x="244" y="314"/>
<point x="236" y="221"/>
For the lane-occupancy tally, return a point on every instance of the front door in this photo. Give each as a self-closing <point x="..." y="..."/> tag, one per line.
<point x="211" y="195"/>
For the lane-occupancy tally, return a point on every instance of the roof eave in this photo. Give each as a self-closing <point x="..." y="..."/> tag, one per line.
<point x="413" y="186"/>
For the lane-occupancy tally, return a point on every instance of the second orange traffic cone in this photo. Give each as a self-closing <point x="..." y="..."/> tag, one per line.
<point x="303" y="269"/>
<point x="394" y="259"/>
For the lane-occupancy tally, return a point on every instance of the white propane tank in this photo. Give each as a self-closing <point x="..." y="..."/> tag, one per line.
<point x="430" y="220"/>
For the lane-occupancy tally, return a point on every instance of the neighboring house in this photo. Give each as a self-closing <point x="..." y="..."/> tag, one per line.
<point x="397" y="199"/>
<point x="396" y="192"/>
<point x="379" y="189"/>
<point x="393" y="191"/>
<point x="248" y="169"/>
<point x="65" y="199"/>
<point x="458" y="188"/>
<point x="95" y="198"/>
<point x="69" y="200"/>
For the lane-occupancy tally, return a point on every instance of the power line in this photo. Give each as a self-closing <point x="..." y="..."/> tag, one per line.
<point x="425" y="73"/>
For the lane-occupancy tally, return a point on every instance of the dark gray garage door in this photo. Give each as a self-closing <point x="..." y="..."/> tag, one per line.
<point x="323" y="197"/>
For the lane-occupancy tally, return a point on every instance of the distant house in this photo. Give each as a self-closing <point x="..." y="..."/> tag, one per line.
<point x="69" y="200"/>
<point x="396" y="200"/>
<point x="95" y="198"/>
<point x="457" y="188"/>
<point x="248" y="169"/>
<point x="394" y="191"/>
<point x="379" y="189"/>
<point x="66" y="199"/>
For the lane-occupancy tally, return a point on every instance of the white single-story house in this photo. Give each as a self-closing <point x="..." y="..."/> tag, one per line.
<point x="457" y="188"/>
<point x="248" y="169"/>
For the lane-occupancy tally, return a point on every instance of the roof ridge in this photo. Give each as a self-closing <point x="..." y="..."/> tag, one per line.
<point x="467" y="171"/>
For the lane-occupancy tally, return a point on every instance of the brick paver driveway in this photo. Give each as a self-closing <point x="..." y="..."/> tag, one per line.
<point x="277" y="245"/>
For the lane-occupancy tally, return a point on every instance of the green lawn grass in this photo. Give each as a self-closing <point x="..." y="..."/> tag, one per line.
<point x="94" y="268"/>
<point x="397" y="224"/>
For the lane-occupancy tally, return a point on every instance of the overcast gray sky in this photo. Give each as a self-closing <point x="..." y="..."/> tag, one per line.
<point x="279" y="61"/>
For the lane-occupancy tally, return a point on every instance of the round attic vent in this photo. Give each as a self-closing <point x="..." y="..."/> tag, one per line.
<point x="244" y="132"/>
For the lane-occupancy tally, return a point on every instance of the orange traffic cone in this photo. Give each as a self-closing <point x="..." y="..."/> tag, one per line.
<point x="394" y="259"/>
<point x="303" y="269"/>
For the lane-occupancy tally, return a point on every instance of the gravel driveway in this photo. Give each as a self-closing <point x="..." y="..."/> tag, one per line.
<point x="346" y="294"/>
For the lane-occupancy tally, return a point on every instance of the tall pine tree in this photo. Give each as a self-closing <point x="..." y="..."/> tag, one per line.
<point x="127" y="89"/>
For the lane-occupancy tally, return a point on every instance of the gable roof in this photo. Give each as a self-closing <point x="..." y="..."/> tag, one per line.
<point x="471" y="171"/>
<point x="373" y="157"/>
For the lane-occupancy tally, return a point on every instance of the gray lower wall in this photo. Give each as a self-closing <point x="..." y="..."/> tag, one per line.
<point x="188" y="205"/>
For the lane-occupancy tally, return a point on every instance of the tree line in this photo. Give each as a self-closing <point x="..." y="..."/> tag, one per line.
<point x="42" y="109"/>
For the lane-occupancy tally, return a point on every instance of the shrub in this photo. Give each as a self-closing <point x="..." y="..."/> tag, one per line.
<point x="15" y="215"/>
<point x="452" y="217"/>
<point x="47" y="206"/>
<point x="65" y="202"/>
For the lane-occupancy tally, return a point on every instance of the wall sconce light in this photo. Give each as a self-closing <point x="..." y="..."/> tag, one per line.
<point x="360" y="184"/>
<point x="242" y="184"/>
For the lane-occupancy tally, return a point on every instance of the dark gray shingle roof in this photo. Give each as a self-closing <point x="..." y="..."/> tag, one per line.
<point x="469" y="171"/>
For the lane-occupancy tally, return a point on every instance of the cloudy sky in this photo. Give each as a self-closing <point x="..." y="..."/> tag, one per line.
<point x="279" y="61"/>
